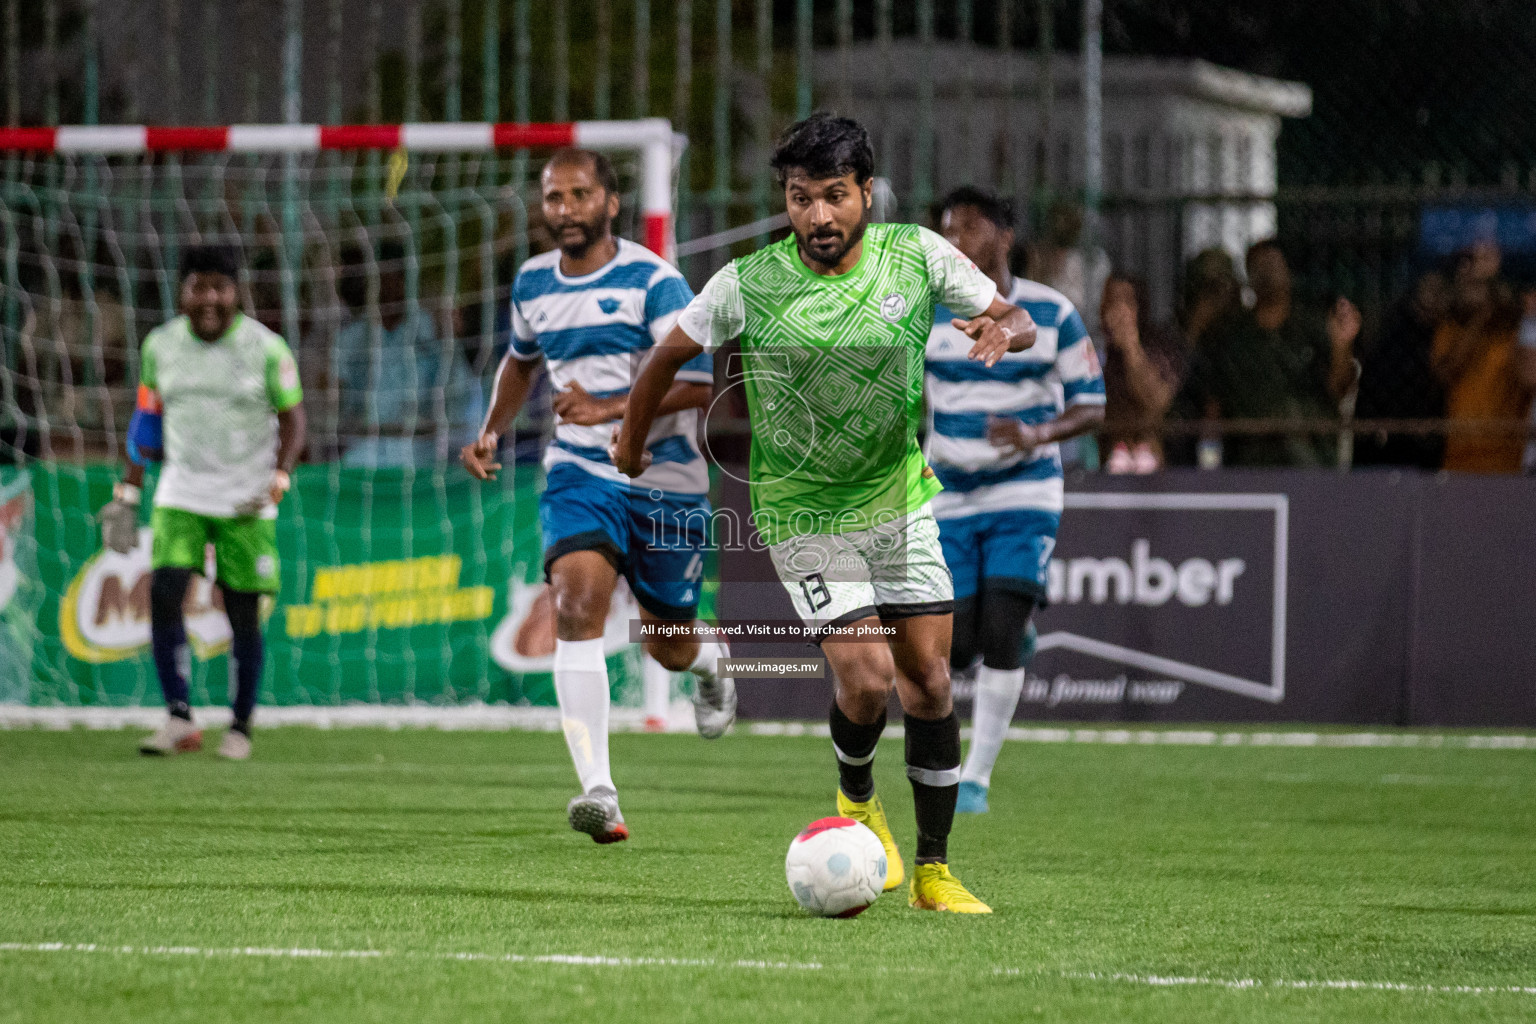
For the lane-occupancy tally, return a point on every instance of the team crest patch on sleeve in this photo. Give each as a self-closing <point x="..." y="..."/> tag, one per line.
<point x="893" y="307"/>
<point x="287" y="373"/>
<point x="266" y="566"/>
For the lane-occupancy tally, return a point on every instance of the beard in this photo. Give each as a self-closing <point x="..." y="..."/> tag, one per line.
<point x="566" y="237"/>
<point x="828" y="247"/>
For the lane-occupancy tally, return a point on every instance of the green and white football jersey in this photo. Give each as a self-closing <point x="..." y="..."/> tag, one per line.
<point x="833" y="372"/>
<point x="220" y="400"/>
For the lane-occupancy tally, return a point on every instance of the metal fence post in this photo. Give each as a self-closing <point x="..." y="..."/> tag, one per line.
<point x="641" y="86"/>
<point x="490" y="63"/>
<point x="804" y="24"/>
<point x="965" y="30"/>
<point x="522" y="55"/>
<point x="883" y="88"/>
<point x="763" y="128"/>
<point x="412" y="61"/>
<point x="602" y="80"/>
<point x="922" y="153"/>
<point x="844" y="48"/>
<point x="682" y="109"/>
<point x="293" y="112"/>
<point x="721" y="194"/>
<point x="453" y="73"/>
<point x="51" y="54"/>
<point x="562" y="61"/>
<point x="1045" y="71"/>
<point x="13" y="62"/>
<point x="1093" y="122"/>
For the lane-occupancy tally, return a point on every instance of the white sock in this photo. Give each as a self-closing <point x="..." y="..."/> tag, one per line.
<point x="997" y="695"/>
<point x="581" y="685"/>
<point x="710" y="652"/>
<point x="658" y="687"/>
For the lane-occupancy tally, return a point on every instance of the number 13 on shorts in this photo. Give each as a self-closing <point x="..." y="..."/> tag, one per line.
<point x="817" y="596"/>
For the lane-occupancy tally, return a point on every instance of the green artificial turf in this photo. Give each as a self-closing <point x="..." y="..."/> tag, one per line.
<point x="1108" y="867"/>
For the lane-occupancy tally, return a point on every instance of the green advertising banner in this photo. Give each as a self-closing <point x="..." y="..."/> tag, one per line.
<point x="398" y="586"/>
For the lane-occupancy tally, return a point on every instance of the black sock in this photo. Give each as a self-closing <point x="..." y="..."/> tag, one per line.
<point x="168" y="636"/>
<point x="246" y="652"/>
<point x="854" y="745"/>
<point x="933" y="765"/>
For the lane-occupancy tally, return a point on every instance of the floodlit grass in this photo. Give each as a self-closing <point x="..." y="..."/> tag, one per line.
<point x="1114" y="871"/>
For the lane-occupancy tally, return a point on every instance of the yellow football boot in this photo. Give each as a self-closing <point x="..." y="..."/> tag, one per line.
<point x="871" y="813"/>
<point x="934" y="888"/>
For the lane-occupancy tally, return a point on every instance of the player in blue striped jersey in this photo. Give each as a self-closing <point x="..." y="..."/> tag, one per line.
<point x="588" y="310"/>
<point x="993" y="441"/>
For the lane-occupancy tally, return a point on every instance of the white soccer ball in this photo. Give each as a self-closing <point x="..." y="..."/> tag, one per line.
<point x="835" y="867"/>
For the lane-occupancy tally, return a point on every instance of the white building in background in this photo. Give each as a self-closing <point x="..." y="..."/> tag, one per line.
<point x="1175" y="131"/>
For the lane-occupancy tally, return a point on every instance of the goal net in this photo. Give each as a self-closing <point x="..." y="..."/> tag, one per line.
<point x="384" y="255"/>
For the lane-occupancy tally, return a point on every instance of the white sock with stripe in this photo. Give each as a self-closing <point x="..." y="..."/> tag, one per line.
<point x="997" y="696"/>
<point x="581" y="685"/>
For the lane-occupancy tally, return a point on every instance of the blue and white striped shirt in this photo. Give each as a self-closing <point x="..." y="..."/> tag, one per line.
<point x="592" y="330"/>
<point x="1061" y="369"/>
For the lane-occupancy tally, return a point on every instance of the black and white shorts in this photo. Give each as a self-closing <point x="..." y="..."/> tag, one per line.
<point x="894" y="570"/>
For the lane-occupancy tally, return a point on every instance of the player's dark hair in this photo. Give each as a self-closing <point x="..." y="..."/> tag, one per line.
<point x="210" y="259"/>
<point x="602" y="167"/>
<point x="989" y="204"/>
<point x="824" y="146"/>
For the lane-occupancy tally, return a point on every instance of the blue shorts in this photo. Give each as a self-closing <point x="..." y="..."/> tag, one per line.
<point x="658" y="544"/>
<point x="1010" y="550"/>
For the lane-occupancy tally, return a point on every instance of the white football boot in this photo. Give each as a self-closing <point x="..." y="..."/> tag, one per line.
<point x="714" y="699"/>
<point x="235" y="746"/>
<point x="597" y="814"/>
<point x="176" y="736"/>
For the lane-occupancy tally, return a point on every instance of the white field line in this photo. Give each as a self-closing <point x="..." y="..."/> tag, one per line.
<point x="1327" y="984"/>
<point x="299" y="953"/>
<point x="576" y="960"/>
<point x="502" y="718"/>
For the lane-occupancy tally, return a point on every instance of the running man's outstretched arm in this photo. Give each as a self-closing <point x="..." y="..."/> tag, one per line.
<point x="514" y="379"/>
<point x="650" y="388"/>
<point x="1003" y="328"/>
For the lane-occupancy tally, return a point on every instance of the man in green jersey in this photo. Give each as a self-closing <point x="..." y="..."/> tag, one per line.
<point x="219" y="401"/>
<point x="833" y="323"/>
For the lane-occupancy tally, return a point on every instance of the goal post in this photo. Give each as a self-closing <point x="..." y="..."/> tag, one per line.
<point x="652" y="138"/>
<point x="384" y="254"/>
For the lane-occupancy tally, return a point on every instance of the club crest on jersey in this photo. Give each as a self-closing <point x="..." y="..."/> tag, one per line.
<point x="608" y="305"/>
<point x="893" y="307"/>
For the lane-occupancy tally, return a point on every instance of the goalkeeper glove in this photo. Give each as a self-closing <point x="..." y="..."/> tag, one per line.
<point x="120" y="519"/>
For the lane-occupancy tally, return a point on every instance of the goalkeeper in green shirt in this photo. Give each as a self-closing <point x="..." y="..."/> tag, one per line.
<point x="834" y="324"/>
<point x="219" y="402"/>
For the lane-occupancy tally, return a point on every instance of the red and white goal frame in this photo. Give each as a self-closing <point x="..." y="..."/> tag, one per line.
<point x="652" y="138"/>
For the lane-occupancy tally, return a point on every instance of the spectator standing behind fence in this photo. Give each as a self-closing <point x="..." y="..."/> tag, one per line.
<point x="1275" y="361"/>
<point x="1143" y="368"/>
<point x="1398" y="381"/>
<point x="407" y="395"/>
<point x="1475" y="357"/>
<point x="1210" y="291"/>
